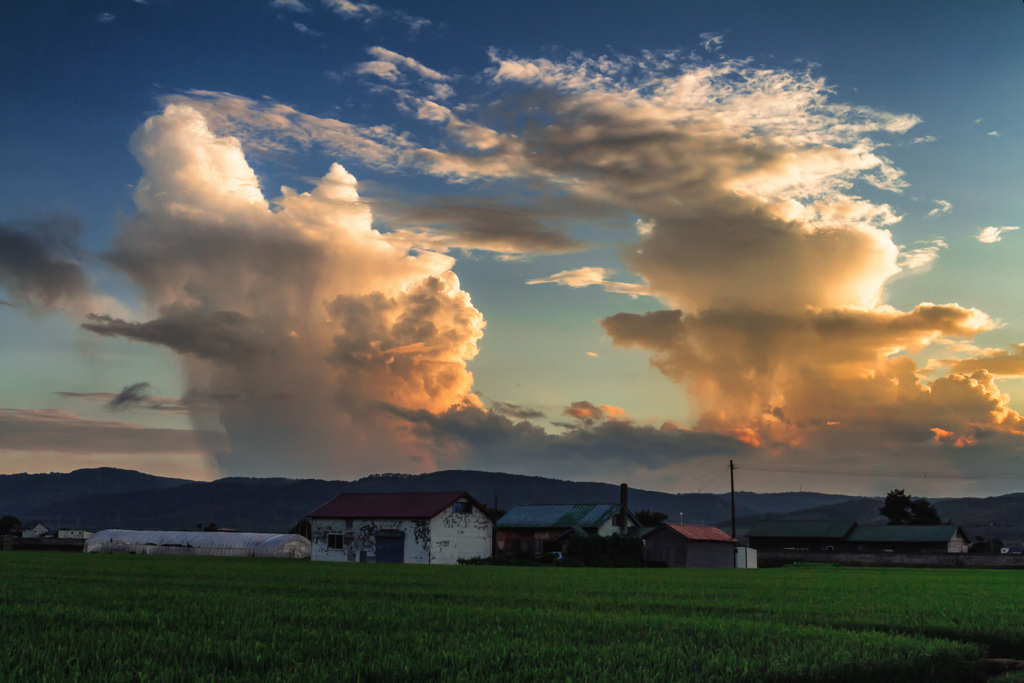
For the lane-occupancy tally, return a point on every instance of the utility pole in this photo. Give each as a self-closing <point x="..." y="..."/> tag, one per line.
<point x="732" y="496"/>
<point x="732" y="503"/>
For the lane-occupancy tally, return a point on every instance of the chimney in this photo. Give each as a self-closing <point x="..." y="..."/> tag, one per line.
<point x="681" y="518"/>
<point x="624" y="502"/>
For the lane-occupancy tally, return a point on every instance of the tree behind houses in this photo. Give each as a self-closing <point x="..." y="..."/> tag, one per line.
<point x="901" y="509"/>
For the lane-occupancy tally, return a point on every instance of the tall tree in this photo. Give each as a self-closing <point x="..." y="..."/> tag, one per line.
<point x="9" y="523"/>
<point x="901" y="509"/>
<point x="648" y="518"/>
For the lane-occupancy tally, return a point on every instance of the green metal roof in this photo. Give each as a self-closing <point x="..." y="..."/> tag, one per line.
<point x="785" y="528"/>
<point x="557" y="516"/>
<point x="940" y="533"/>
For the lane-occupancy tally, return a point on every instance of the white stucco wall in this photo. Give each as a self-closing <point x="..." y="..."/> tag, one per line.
<point x="441" y="540"/>
<point x="455" y="535"/>
<point x="360" y="538"/>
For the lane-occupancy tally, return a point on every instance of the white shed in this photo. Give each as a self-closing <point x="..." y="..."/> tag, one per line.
<point x="415" y="528"/>
<point x="220" y="543"/>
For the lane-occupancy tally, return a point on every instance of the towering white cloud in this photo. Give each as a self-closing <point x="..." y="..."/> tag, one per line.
<point x="296" y="311"/>
<point x="750" y="185"/>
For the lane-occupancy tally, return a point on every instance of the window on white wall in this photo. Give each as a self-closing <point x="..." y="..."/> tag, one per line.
<point x="462" y="508"/>
<point x="335" y="542"/>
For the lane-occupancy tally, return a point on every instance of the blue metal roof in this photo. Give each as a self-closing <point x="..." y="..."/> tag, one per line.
<point x="584" y="516"/>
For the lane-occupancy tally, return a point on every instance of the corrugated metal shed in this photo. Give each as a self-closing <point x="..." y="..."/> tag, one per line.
<point x="701" y="533"/>
<point x="778" y="528"/>
<point x="414" y="505"/>
<point x="558" y="516"/>
<point x="904" y="534"/>
<point x="221" y="543"/>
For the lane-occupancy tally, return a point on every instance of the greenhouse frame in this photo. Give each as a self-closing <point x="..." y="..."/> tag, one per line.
<point x="215" y="543"/>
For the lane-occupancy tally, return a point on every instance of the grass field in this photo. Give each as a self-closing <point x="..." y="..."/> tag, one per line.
<point x="152" y="618"/>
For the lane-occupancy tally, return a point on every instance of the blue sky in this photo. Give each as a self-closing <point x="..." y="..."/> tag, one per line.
<point x="581" y="240"/>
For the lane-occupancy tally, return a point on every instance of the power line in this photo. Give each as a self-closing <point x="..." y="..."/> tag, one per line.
<point x="880" y="473"/>
<point x="713" y="481"/>
<point x="717" y="470"/>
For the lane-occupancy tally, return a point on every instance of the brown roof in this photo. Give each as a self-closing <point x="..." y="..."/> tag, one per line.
<point x="701" y="533"/>
<point x="401" y="505"/>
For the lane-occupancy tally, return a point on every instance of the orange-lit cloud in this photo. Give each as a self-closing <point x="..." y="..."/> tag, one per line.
<point x="752" y="208"/>
<point x="297" y="307"/>
<point x="588" y="413"/>
<point x="999" y="363"/>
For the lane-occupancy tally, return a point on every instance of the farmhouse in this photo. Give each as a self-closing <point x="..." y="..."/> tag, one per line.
<point x="548" y="528"/>
<point x="689" y="545"/>
<point x="218" y="543"/>
<point x="418" y="528"/>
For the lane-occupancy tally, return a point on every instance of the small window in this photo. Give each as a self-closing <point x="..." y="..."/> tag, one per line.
<point x="462" y="508"/>
<point x="335" y="542"/>
<point x="348" y="523"/>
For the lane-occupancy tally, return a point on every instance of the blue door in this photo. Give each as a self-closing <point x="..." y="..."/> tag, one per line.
<point x="390" y="546"/>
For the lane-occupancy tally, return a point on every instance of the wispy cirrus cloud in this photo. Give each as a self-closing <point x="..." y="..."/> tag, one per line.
<point x="369" y="12"/>
<point x="942" y="207"/>
<point x="269" y="127"/>
<point x="63" y="432"/>
<point x="593" y="277"/>
<point x="384" y="56"/>
<point x="922" y="254"/>
<point x="993" y="234"/>
<point x="444" y="224"/>
<point x="392" y="68"/>
<point x="302" y="28"/>
<point x="293" y="5"/>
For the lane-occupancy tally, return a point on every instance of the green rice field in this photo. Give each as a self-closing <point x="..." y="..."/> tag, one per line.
<point x="158" y="618"/>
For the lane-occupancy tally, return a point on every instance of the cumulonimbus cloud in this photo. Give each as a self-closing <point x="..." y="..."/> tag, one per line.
<point x="303" y="312"/>
<point x="745" y="189"/>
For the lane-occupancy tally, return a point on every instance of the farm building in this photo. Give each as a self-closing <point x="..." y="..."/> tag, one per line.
<point x="812" y="535"/>
<point x="220" y="543"/>
<point x="417" y="528"/>
<point x="689" y="545"/>
<point x="548" y="528"/>
<point x="35" y="530"/>
<point x="940" y="538"/>
<point x="845" y="536"/>
<point x="76" y="534"/>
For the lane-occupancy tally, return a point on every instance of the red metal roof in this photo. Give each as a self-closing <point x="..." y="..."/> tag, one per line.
<point x="701" y="533"/>
<point x="400" y="505"/>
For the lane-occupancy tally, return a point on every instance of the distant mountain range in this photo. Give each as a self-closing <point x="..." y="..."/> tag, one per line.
<point x="106" y="497"/>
